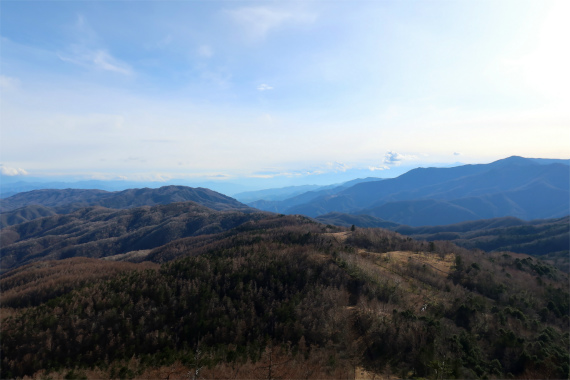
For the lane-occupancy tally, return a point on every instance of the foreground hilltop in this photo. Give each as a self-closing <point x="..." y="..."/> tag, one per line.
<point x="276" y="296"/>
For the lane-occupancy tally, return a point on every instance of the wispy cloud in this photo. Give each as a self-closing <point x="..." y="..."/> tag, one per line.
<point x="92" y="122"/>
<point x="135" y="159"/>
<point x="11" y="172"/>
<point x="337" y="167"/>
<point x="258" y="22"/>
<point x="219" y="176"/>
<point x="88" y="52"/>
<point x="273" y="174"/>
<point x="264" y="87"/>
<point x="329" y="167"/>
<point x="162" y="141"/>
<point x="98" y="59"/>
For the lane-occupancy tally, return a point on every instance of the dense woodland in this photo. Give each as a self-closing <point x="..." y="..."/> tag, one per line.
<point x="101" y="232"/>
<point x="285" y="297"/>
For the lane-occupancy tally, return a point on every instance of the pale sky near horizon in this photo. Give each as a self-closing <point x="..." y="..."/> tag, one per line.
<point x="215" y="89"/>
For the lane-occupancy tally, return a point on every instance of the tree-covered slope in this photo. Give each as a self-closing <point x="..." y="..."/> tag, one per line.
<point x="24" y="214"/>
<point x="70" y="199"/>
<point x="99" y="232"/>
<point x="287" y="297"/>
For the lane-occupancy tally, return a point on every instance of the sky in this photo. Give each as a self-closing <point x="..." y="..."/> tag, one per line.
<point x="289" y="91"/>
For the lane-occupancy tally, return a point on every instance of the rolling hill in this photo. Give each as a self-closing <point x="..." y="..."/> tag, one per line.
<point x="100" y="232"/>
<point x="70" y="199"/>
<point x="24" y="214"/>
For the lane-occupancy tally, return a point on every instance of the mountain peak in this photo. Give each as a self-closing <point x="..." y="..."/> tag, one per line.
<point x="514" y="160"/>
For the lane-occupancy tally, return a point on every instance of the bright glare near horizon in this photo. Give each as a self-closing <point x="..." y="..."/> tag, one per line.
<point x="264" y="89"/>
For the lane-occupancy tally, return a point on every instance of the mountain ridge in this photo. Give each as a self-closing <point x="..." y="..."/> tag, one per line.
<point x="511" y="187"/>
<point x="70" y="199"/>
<point x="97" y="232"/>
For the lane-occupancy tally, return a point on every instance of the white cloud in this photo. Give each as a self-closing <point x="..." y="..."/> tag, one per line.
<point x="259" y="21"/>
<point x="273" y="174"/>
<point x="382" y="167"/>
<point x="394" y="158"/>
<point x="264" y="87"/>
<point x="337" y="166"/>
<point x="11" y="172"/>
<point x="456" y="153"/>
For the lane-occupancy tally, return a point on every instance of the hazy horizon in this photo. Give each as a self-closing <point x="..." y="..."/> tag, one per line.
<point x="278" y="93"/>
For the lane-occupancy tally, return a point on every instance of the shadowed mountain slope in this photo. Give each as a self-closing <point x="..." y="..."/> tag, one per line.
<point x="543" y="238"/>
<point x="347" y="220"/>
<point x="283" y="205"/>
<point x="70" y="199"/>
<point x="25" y="214"/>
<point x="99" y="232"/>
<point x="511" y="187"/>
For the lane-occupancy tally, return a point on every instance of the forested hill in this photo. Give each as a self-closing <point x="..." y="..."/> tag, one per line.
<point x="285" y="297"/>
<point x="24" y="214"/>
<point x="548" y="239"/>
<point x="70" y="199"/>
<point x="99" y="232"/>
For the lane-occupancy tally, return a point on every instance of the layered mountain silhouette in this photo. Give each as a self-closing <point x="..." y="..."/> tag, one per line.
<point x="99" y="232"/>
<point x="25" y="214"/>
<point x="283" y="204"/>
<point x="516" y="186"/>
<point x="67" y="200"/>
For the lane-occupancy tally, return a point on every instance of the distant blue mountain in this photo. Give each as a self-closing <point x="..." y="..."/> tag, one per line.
<point x="515" y="186"/>
<point x="282" y="206"/>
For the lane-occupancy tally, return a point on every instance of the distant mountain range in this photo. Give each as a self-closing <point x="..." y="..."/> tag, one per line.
<point x="281" y="204"/>
<point x="69" y="199"/>
<point x="284" y="193"/>
<point x="12" y="185"/>
<point x="516" y="186"/>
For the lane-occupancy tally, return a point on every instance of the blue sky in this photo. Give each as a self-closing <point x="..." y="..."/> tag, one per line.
<point x="155" y="90"/>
